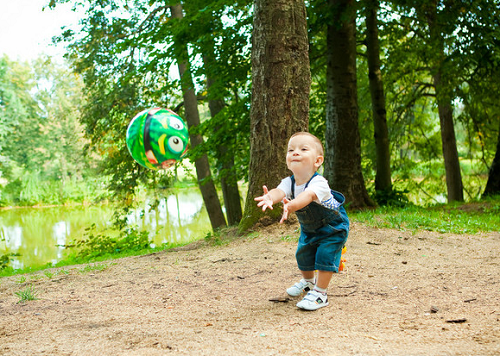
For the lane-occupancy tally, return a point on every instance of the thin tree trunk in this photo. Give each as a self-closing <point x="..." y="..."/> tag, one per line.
<point x="230" y="191"/>
<point x="203" y="173"/>
<point x="342" y="139"/>
<point x="449" y="143"/>
<point x="383" y="180"/>
<point x="493" y="184"/>
<point x="225" y="160"/>
<point x="281" y="83"/>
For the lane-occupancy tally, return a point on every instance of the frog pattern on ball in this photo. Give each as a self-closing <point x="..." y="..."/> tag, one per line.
<point x="157" y="138"/>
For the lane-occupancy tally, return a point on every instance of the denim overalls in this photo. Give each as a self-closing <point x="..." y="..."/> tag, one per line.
<point x="323" y="234"/>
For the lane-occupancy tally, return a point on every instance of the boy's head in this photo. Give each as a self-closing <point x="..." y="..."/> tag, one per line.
<point x="317" y="142"/>
<point x="305" y="153"/>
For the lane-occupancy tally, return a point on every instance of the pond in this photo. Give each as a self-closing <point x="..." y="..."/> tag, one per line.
<point x="39" y="234"/>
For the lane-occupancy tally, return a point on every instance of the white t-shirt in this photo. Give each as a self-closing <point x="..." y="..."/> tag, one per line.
<point x="319" y="185"/>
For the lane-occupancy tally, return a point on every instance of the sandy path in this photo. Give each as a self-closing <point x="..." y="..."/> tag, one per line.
<point x="402" y="294"/>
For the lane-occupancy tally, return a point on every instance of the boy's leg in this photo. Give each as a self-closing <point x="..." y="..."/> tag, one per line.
<point x="308" y="275"/>
<point x="324" y="278"/>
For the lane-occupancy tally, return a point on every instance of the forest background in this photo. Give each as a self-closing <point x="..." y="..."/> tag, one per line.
<point x="419" y="67"/>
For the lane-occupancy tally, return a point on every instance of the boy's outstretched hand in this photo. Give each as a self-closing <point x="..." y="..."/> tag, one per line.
<point x="285" y="210"/>
<point x="265" y="201"/>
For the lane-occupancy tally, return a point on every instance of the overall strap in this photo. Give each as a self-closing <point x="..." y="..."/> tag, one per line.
<point x="293" y="183"/>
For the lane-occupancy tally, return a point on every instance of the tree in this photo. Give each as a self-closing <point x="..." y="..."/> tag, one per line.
<point x="59" y="94"/>
<point x="280" y="94"/>
<point x="449" y="41"/>
<point x="493" y="183"/>
<point x="342" y="139"/>
<point x="20" y="119"/>
<point x="42" y="141"/>
<point x="442" y="86"/>
<point x="205" y="181"/>
<point x="383" y="182"/>
<point x="210" y="28"/>
<point x="125" y="60"/>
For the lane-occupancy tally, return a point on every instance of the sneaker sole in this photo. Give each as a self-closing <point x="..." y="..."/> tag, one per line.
<point x="312" y="307"/>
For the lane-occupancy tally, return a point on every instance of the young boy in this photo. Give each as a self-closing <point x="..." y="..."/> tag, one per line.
<point x="323" y="220"/>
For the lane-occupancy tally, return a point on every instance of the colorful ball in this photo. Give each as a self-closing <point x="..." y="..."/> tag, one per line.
<point x="157" y="138"/>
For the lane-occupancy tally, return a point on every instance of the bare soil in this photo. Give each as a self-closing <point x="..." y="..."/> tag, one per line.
<point x="401" y="294"/>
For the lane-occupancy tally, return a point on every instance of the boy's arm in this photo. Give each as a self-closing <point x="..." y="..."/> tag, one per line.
<point x="302" y="200"/>
<point x="269" y="198"/>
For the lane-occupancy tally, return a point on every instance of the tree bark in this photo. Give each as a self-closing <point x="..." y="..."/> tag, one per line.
<point x="383" y="180"/>
<point x="449" y="143"/>
<point x="281" y="82"/>
<point x="342" y="139"/>
<point x="205" y="182"/>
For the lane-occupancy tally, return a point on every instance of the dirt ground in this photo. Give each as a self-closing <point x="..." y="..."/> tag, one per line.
<point x="401" y="294"/>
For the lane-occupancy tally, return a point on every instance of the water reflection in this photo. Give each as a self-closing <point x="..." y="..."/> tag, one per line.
<point x="39" y="234"/>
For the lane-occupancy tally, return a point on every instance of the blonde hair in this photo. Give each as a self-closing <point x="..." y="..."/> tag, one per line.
<point x="317" y="141"/>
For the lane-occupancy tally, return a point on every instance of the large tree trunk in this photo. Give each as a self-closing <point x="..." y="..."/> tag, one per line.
<point x="445" y="109"/>
<point x="342" y="140"/>
<point x="493" y="184"/>
<point x="281" y="83"/>
<point x="205" y="182"/>
<point x="383" y="182"/>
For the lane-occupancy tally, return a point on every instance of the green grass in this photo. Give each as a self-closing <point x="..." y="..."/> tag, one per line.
<point x="467" y="218"/>
<point x="93" y="268"/>
<point x="29" y="293"/>
<point x="69" y="261"/>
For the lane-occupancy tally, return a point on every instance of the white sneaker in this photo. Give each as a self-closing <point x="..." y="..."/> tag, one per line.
<point x="300" y="287"/>
<point x="313" y="300"/>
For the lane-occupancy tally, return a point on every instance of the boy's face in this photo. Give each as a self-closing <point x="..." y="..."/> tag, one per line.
<point x="303" y="156"/>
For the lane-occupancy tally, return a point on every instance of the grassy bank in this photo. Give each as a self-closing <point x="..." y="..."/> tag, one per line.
<point x="460" y="218"/>
<point x="466" y="218"/>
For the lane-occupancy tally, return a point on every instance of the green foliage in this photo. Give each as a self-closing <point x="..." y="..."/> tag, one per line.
<point x="223" y="236"/>
<point x="41" y="148"/>
<point x="32" y="189"/>
<point x="19" y="122"/>
<point x="214" y="238"/>
<point x="6" y="259"/>
<point x="96" y="244"/>
<point x="126" y="54"/>
<point x="392" y="197"/>
<point x="125" y="59"/>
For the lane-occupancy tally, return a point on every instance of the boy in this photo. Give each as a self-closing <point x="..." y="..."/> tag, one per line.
<point x="323" y="220"/>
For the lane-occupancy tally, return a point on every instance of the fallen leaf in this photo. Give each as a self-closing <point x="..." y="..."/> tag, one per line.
<point x="280" y="300"/>
<point x="461" y="320"/>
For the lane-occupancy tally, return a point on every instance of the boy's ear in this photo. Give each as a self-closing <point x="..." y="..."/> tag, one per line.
<point x="319" y="162"/>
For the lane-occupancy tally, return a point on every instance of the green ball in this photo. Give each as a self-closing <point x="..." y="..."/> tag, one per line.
<point x="157" y="138"/>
